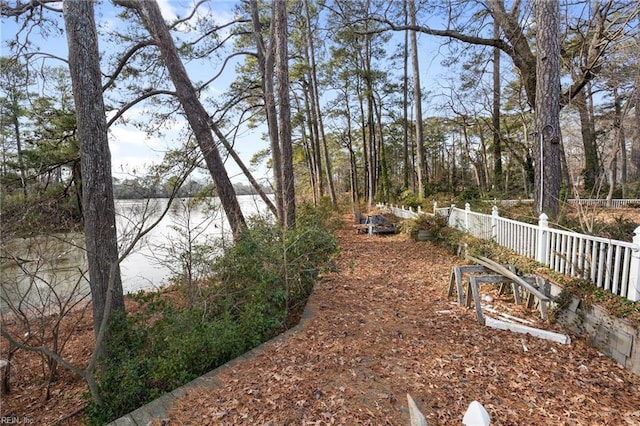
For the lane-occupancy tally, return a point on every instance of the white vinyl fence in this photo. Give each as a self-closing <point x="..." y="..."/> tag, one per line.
<point x="610" y="264"/>
<point x="585" y="202"/>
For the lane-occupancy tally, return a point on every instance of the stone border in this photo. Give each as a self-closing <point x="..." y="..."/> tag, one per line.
<point x="158" y="409"/>
<point x="617" y="338"/>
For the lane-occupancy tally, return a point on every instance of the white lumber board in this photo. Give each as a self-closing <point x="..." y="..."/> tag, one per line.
<point x="417" y="418"/>
<point x="506" y="316"/>
<point x="536" y="332"/>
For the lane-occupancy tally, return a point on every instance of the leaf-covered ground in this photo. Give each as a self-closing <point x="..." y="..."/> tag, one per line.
<point x="382" y="327"/>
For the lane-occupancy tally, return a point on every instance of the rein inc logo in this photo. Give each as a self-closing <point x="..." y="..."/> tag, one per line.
<point x="13" y="420"/>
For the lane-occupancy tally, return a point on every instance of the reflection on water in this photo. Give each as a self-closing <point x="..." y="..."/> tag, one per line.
<point x="48" y="270"/>
<point x="44" y="271"/>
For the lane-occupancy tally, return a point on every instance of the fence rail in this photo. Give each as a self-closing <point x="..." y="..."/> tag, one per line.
<point x="587" y="202"/>
<point x="612" y="265"/>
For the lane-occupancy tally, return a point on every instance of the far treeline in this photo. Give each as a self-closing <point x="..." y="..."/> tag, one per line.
<point x="131" y="189"/>
<point x="535" y="99"/>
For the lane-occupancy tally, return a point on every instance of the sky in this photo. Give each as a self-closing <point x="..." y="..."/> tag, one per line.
<point x="132" y="149"/>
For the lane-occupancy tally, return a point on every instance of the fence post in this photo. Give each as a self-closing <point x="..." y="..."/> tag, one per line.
<point x="543" y="235"/>
<point x="449" y="219"/>
<point x="494" y="223"/>
<point x="435" y="207"/>
<point x="419" y="209"/>
<point x="467" y="209"/>
<point x="633" y="292"/>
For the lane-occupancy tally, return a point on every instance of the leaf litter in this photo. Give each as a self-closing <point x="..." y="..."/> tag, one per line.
<point x="382" y="326"/>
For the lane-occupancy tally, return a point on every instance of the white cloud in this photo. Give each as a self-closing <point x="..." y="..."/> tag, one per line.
<point x="130" y="167"/>
<point x="168" y="12"/>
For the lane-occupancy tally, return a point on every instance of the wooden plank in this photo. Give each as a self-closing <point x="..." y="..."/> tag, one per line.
<point x="476" y="298"/>
<point x="493" y="279"/>
<point x="452" y="283"/>
<point x="536" y="332"/>
<point x="469" y="294"/>
<point x="456" y="279"/>
<point x="516" y="292"/>
<point x="507" y="273"/>
<point x="544" y="300"/>
<point x="465" y="269"/>
<point x="459" y="285"/>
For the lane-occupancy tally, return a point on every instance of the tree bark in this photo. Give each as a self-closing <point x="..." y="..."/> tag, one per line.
<point x="635" y="141"/>
<point x="197" y="116"/>
<point x="101" y="238"/>
<point x="591" y="172"/>
<point x="284" y="118"/>
<point x="497" y="143"/>
<point x="315" y="101"/>
<point x="417" y="95"/>
<point x="547" y="109"/>
<point x="266" y="58"/>
<point x="405" y="106"/>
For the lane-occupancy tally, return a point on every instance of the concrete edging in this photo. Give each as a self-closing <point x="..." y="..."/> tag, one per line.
<point x="158" y="409"/>
<point x="615" y="337"/>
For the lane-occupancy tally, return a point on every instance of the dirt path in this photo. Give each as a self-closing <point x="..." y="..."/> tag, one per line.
<point x="383" y="327"/>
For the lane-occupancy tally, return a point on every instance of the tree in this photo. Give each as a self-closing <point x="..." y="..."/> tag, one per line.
<point x="279" y="21"/>
<point x="13" y="88"/>
<point x="97" y="195"/>
<point x="547" y="143"/>
<point x="417" y="98"/>
<point x="151" y="17"/>
<point x="314" y="95"/>
<point x="274" y="73"/>
<point x="497" y="143"/>
<point x="611" y="19"/>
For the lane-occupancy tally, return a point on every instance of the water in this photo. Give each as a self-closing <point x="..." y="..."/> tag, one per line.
<point x="48" y="271"/>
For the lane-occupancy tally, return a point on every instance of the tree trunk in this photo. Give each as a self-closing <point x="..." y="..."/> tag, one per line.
<point x="284" y="118"/>
<point x="314" y="145"/>
<point x="547" y="109"/>
<point x="635" y="142"/>
<point x="368" y="123"/>
<point x="101" y="238"/>
<point x="591" y="172"/>
<point x="315" y="171"/>
<point x="318" y="113"/>
<point x="266" y="66"/>
<point x="497" y="144"/>
<point x="385" y="181"/>
<point x="365" y="145"/>
<point x="245" y="170"/>
<point x="353" y="164"/>
<point x="16" y="129"/>
<point x="417" y="95"/>
<point x="405" y="107"/>
<point x="621" y="140"/>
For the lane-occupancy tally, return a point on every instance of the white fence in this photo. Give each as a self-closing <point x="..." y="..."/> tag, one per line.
<point x="610" y="264"/>
<point x="585" y="202"/>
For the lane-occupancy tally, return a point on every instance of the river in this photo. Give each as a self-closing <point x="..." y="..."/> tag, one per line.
<point x="49" y="269"/>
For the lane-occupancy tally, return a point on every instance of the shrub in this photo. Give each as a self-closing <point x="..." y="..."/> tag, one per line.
<point x="436" y="225"/>
<point x="265" y="276"/>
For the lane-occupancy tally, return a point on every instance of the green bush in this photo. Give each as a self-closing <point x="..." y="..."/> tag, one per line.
<point x="266" y="275"/>
<point x="434" y="224"/>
